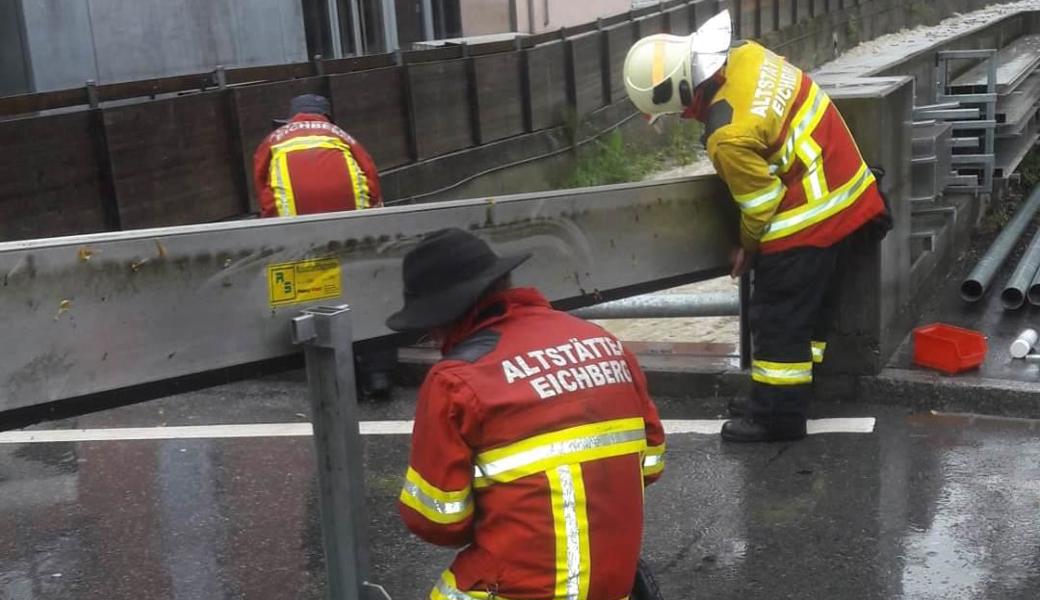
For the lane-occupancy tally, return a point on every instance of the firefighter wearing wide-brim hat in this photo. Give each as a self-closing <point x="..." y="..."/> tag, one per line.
<point x="802" y="187"/>
<point x="534" y="435"/>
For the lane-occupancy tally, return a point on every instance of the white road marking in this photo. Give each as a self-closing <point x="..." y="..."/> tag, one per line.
<point x="672" y="427"/>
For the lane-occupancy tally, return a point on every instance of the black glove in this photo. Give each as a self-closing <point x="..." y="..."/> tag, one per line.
<point x="879" y="226"/>
<point x="646" y="586"/>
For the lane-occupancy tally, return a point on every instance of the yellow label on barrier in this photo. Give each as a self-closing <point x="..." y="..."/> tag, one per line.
<point x="303" y="281"/>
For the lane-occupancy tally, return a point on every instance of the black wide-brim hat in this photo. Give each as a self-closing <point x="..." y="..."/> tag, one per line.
<point x="444" y="276"/>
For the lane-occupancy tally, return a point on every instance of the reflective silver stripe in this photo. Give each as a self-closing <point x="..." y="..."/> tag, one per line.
<point x="792" y="375"/>
<point x="817" y="353"/>
<point x="834" y="201"/>
<point x="554" y="450"/>
<point x="652" y="460"/>
<point x="814" y="173"/>
<point x="800" y="129"/>
<point x="764" y="198"/>
<point x="451" y="592"/>
<point x="570" y="520"/>
<point x="444" y="508"/>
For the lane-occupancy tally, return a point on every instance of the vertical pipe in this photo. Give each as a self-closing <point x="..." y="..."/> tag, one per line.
<point x="427" y="20"/>
<point x="357" y="28"/>
<point x="335" y="31"/>
<point x="390" y="39"/>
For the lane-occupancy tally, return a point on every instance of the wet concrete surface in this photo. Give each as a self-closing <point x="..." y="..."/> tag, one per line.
<point x="928" y="506"/>
<point x="987" y="316"/>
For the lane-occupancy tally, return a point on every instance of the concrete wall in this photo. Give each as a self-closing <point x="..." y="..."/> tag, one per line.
<point x="480" y="17"/>
<point x="876" y="285"/>
<point x="71" y="41"/>
<point x="553" y="14"/>
<point x="14" y="70"/>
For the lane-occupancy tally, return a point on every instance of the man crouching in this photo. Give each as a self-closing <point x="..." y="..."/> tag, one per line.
<point x="534" y="436"/>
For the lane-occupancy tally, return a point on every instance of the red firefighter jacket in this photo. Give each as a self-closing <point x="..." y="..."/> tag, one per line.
<point x="785" y="152"/>
<point x="310" y="165"/>
<point x="534" y="438"/>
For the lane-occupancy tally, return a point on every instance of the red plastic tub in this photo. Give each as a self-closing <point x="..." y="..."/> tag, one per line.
<point x="947" y="348"/>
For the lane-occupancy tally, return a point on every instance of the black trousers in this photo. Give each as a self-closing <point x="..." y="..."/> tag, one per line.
<point x="793" y="300"/>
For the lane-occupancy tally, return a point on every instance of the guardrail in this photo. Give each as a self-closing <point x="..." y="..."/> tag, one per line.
<point x="110" y="312"/>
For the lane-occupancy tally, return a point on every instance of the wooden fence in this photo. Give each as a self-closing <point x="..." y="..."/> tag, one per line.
<point x="179" y="150"/>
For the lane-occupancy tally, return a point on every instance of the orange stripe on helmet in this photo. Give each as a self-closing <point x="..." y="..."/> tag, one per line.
<point x="657" y="75"/>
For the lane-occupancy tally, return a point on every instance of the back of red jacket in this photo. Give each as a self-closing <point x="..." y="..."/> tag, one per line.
<point x="310" y="165"/>
<point x="533" y="441"/>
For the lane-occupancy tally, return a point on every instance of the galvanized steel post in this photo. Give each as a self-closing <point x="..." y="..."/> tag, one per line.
<point x="978" y="281"/>
<point x="326" y="336"/>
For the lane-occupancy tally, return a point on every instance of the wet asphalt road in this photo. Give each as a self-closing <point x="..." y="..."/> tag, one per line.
<point x="926" y="507"/>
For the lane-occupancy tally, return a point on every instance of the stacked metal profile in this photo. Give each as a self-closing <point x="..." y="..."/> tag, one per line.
<point x="1008" y="81"/>
<point x="982" y="125"/>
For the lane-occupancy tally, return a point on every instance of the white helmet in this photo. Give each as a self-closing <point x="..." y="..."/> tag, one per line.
<point x="661" y="71"/>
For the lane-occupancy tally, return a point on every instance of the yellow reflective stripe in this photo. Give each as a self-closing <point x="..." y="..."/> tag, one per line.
<point x="568" y="446"/>
<point x="795" y="220"/>
<point x="653" y="461"/>
<point x="434" y="503"/>
<point x="571" y="529"/>
<point x="768" y="197"/>
<point x="818" y="348"/>
<point x="310" y="142"/>
<point x="815" y="180"/>
<point x="805" y="121"/>
<point x="357" y="180"/>
<point x="285" y="199"/>
<point x="774" y="373"/>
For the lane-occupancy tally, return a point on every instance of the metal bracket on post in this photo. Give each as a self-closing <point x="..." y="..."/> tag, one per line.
<point x="327" y="340"/>
<point x="220" y="77"/>
<point x="92" y="94"/>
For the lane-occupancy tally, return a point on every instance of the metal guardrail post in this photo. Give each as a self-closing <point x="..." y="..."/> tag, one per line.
<point x="326" y="336"/>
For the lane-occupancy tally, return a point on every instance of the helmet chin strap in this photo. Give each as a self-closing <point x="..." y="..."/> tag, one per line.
<point x="703" y="94"/>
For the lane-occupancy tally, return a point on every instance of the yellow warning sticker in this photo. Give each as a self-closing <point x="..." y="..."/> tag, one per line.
<point x="303" y="281"/>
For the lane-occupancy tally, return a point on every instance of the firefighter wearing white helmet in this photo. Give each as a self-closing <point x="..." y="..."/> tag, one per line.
<point x="662" y="71"/>
<point x="803" y="191"/>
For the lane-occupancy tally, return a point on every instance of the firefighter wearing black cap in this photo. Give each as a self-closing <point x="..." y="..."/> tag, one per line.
<point x="308" y="165"/>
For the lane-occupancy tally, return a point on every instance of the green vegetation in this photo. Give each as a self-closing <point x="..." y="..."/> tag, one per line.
<point x="1030" y="170"/>
<point x="613" y="159"/>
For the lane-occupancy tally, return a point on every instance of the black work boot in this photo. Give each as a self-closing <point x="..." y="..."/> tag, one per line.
<point x="745" y="430"/>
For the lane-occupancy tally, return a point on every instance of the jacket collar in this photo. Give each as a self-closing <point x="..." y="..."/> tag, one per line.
<point x="309" y="117"/>
<point x="492" y="310"/>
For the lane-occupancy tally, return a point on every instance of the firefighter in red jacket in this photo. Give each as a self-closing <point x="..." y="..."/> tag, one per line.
<point x="801" y="185"/>
<point x="534" y="436"/>
<point x="309" y="165"/>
